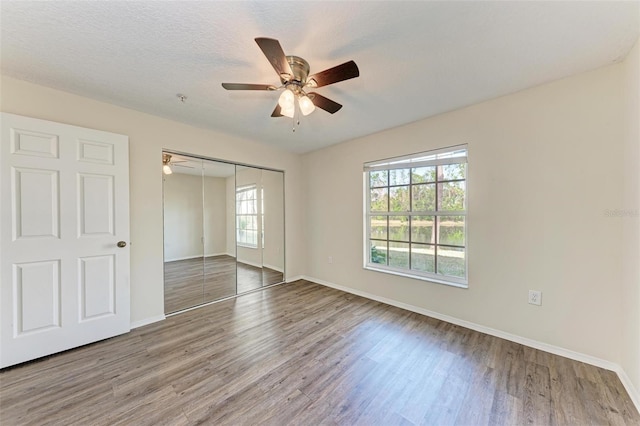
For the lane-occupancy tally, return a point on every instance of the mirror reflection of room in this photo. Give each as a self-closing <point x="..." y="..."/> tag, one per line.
<point x="223" y="230"/>
<point x="259" y="227"/>
<point x="199" y="250"/>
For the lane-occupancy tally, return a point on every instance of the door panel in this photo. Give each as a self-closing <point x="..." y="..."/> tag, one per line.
<point x="35" y="203"/>
<point x="37" y="302"/>
<point x="95" y="198"/>
<point x="64" y="205"/>
<point x="36" y="144"/>
<point x="97" y="287"/>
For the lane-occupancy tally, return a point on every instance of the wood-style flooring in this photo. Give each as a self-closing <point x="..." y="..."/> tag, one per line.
<point x="304" y="354"/>
<point x="193" y="282"/>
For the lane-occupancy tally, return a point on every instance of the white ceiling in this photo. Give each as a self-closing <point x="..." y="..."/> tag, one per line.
<point x="416" y="59"/>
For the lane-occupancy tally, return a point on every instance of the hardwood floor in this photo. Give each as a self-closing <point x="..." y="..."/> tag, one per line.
<point x="305" y="354"/>
<point x="192" y="282"/>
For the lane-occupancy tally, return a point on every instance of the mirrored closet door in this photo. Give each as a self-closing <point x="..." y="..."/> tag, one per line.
<point x="223" y="229"/>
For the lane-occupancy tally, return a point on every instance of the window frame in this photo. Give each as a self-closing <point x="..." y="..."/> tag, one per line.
<point x="445" y="156"/>
<point x="245" y="189"/>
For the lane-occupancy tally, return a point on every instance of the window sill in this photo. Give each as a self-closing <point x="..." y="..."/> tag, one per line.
<point x="442" y="281"/>
<point x="247" y="246"/>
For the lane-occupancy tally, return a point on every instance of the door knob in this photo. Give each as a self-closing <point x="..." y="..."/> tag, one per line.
<point x="122" y="244"/>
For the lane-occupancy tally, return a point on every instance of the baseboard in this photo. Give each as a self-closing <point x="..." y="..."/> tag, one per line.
<point x="246" y="262"/>
<point x="147" y="321"/>
<point x="275" y="268"/>
<point x="296" y="278"/>
<point x="215" y="254"/>
<point x="556" y="350"/>
<point x="628" y="385"/>
<point x="183" y="258"/>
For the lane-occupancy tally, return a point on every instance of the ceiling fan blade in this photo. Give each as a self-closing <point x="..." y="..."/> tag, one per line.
<point x="338" y="73"/>
<point x="243" y="86"/>
<point x="276" y="112"/>
<point x="324" y="103"/>
<point x="274" y="53"/>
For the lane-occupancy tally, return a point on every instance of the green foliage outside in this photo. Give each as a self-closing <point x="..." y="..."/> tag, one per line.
<point x="378" y="256"/>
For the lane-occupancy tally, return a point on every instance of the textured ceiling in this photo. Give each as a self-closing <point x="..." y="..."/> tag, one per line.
<point x="416" y="59"/>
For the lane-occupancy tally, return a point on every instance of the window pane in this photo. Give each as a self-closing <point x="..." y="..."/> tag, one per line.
<point x="399" y="177"/>
<point x="451" y="261"/>
<point x="451" y="196"/>
<point x="399" y="255"/>
<point x="399" y="228"/>
<point x="378" y="250"/>
<point x="378" y="227"/>
<point x="452" y="171"/>
<point x="422" y="257"/>
<point x="451" y="230"/>
<point x="378" y="178"/>
<point x="399" y="199"/>
<point x="423" y="174"/>
<point x="423" y="197"/>
<point x="251" y="222"/>
<point x="379" y="199"/>
<point x="422" y="229"/>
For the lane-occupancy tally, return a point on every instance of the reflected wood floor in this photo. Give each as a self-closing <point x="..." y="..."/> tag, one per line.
<point x="192" y="282"/>
<point x="304" y="354"/>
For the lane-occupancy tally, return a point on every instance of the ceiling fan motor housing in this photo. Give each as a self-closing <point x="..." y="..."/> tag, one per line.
<point x="300" y="70"/>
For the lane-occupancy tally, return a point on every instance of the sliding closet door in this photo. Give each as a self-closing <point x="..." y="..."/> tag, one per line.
<point x="219" y="235"/>
<point x="248" y="194"/>
<point x="183" y="234"/>
<point x="259" y="227"/>
<point x="272" y="227"/>
<point x="223" y="230"/>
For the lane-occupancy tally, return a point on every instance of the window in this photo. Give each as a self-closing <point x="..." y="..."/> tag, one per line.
<point x="247" y="216"/>
<point x="416" y="215"/>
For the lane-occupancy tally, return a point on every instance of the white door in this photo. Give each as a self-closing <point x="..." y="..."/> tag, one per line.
<point x="64" y="207"/>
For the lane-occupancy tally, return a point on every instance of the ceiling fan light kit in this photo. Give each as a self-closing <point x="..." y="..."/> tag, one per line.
<point x="294" y="77"/>
<point x="166" y="167"/>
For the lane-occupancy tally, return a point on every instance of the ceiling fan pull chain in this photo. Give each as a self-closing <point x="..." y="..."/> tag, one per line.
<point x="296" y="120"/>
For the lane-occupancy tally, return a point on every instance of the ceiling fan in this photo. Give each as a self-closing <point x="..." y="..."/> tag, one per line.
<point x="295" y="80"/>
<point x="167" y="163"/>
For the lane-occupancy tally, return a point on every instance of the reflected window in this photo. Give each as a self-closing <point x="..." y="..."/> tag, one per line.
<point x="247" y="216"/>
<point x="416" y="212"/>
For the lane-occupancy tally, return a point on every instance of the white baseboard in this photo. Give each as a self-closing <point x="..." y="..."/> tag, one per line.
<point x="183" y="258"/>
<point x="296" y="278"/>
<point x="275" y="268"/>
<point x="628" y="385"/>
<point x="246" y="262"/>
<point x="215" y="254"/>
<point x="557" y="350"/>
<point x="147" y="321"/>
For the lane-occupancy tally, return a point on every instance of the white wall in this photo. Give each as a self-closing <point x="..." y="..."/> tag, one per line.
<point x="148" y="135"/>
<point x="215" y="215"/>
<point x="544" y="166"/>
<point x="182" y="216"/>
<point x="194" y="207"/>
<point x="630" y="248"/>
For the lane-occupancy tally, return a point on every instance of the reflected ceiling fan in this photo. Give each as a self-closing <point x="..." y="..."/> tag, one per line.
<point x="167" y="163"/>
<point x="296" y="81"/>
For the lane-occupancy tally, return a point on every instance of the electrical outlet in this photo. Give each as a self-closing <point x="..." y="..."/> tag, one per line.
<point x="330" y="259"/>
<point x="535" y="297"/>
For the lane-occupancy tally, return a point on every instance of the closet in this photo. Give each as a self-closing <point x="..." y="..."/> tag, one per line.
<point x="223" y="229"/>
